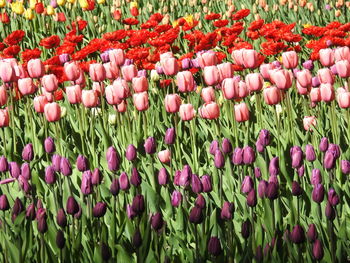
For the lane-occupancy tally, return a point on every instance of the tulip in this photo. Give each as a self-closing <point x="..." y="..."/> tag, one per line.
<point x="274" y="166"/>
<point x="131" y="152"/>
<point x="272" y="95"/>
<point x="323" y="146"/>
<point x="246" y="229"/>
<point x="186" y="63"/>
<point x="219" y="159"/>
<point x="72" y="71"/>
<point x="326" y="57"/>
<point x="200" y="201"/>
<point x="290" y="59"/>
<point x="30" y="212"/>
<point x="247" y="185"/>
<point x="272" y="191"/>
<point x="112" y="158"/>
<point x="138" y="204"/>
<point x="89" y="98"/>
<point x="35" y="68"/>
<point x="309" y="122"/>
<point x="335" y="149"/>
<point x="74" y="94"/>
<point x="342" y="53"/>
<point x="114" y="188"/>
<point x="99" y="209"/>
<point x="308" y="64"/>
<point x="116" y="56"/>
<point x="139" y="84"/>
<point x="124" y="181"/>
<point x="312" y="233"/>
<point x="230" y="88"/>
<point x="225" y="70"/>
<point x="282" y="78"/>
<point x="206" y="183"/>
<point x="211" y="75"/>
<point x="164" y="156"/>
<point x="137" y="239"/>
<point x="187" y="112"/>
<point x="310" y="153"/>
<point x="56" y="162"/>
<point x="297" y="235"/>
<point x="3" y="95"/>
<point x="209" y="111"/>
<point x="150" y="145"/>
<point x="296" y="189"/>
<point x="318" y="193"/>
<point x="315" y="95"/>
<point x="65" y="167"/>
<point x="343" y="68"/>
<point x="316" y="177"/>
<point x="185" y="81"/>
<point x="241" y="112"/>
<point x="208" y="94"/>
<point x="169" y="66"/>
<point x="42" y="225"/>
<point x="4" y="204"/>
<point x="296" y="155"/>
<point x="214" y="246"/>
<point x="61" y="218"/>
<point x="196" y="215"/>
<point x="25" y="86"/>
<point x="327" y="92"/>
<point x="4" y="165"/>
<point x="96" y="177"/>
<point x="343" y="99"/>
<point x="120" y="89"/>
<point x="317" y="250"/>
<point x="227" y="211"/>
<point x="50" y="176"/>
<point x="206" y="58"/>
<point x="60" y="240"/>
<point x="86" y="185"/>
<point x="333" y="198"/>
<point x="264" y="70"/>
<point x="329" y="160"/>
<point x="25" y="171"/>
<point x="172" y="103"/>
<point x="196" y="184"/>
<point x="176" y="198"/>
<point x="97" y="72"/>
<point x="170" y="136"/>
<point x="330" y="212"/>
<point x="112" y="70"/>
<point x="52" y="112"/>
<point x="129" y="212"/>
<point x="27" y="153"/>
<point x="39" y="103"/>
<point x="262" y="188"/>
<point x="141" y="101"/>
<point x="248" y="155"/>
<point x="254" y="82"/>
<point x="345" y="167"/>
<point x="237" y="156"/>
<point x="304" y="78"/>
<point x="49" y="82"/>
<point x="82" y="163"/>
<point x="49" y="145"/>
<point x="72" y="206"/>
<point x="257" y="172"/>
<point x="17" y="209"/>
<point x="325" y="76"/>
<point x="7" y="73"/>
<point x="163" y="176"/>
<point x="250" y="58"/>
<point x="251" y="198"/>
<point x="157" y="221"/>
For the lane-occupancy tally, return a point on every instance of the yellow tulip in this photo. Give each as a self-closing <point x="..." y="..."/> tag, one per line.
<point x="28" y="14"/>
<point x="50" y="10"/>
<point x="83" y="3"/>
<point x="71" y="1"/>
<point x="61" y="2"/>
<point x="17" y="7"/>
<point x="2" y="3"/>
<point x="32" y="4"/>
<point x="189" y="19"/>
<point x="100" y="2"/>
<point x="133" y="4"/>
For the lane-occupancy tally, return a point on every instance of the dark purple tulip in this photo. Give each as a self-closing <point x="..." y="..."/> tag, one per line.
<point x="135" y="178"/>
<point x="49" y="145"/>
<point x="17" y="208"/>
<point x="227" y="211"/>
<point x="315" y="82"/>
<point x="60" y="240"/>
<point x="105" y="252"/>
<point x="335" y="149"/>
<point x="185" y="176"/>
<point x="138" y="204"/>
<point x="99" y="209"/>
<point x="251" y="198"/>
<point x="273" y="179"/>
<point x="14" y="169"/>
<point x="157" y="221"/>
<point x="170" y="136"/>
<point x="301" y="171"/>
<point x="226" y="146"/>
<point x="330" y="212"/>
<point x="163" y="176"/>
<point x="248" y="155"/>
<point x="77" y="215"/>
<point x="42" y="225"/>
<point x="296" y="154"/>
<point x="262" y="188"/>
<point x="274" y="167"/>
<point x="112" y="158"/>
<point x="214" y="246"/>
<point x="137" y="239"/>
<point x="196" y="215"/>
<point x="258" y="254"/>
<point x="333" y="197"/>
<point x="30" y="212"/>
<point x="323" y="146"/>
<point x="96" y="178"/>
<point x="65" y="167"/>
<point x="308" y="64"/>
<point x="72" y="206"/>
<point x="177" y="177"/>
<point x="176" y="198"/>
<point x="86" y="184"/>
<point x="296" y="189"/>
<point x="114" y="188"/>
<point x="50" y="175"/>
<point x="259" y="147"/>
<point x="61" y="218"/>
<point x="316" y="177"/>
<point x="264" y="137"/>
<point x="246" y="229"/>
<point x="214" y="146"/>
<point x="345" y="167"/>
<point x="219" y="159"/>
<point x="297" y="236"/>
<point x="310" y="153"/>
<point x="24" y="184"/>
<point x="317" y="250"/>
<point x="4" y="166"/>
<point x="82" y="163"/>
<point x="329" y="160"/>
<point x="25" y="171"/>
<point x="312" y="233"/>
<point x="28" y="152"/>
<point x="257" y="172"/>
<point x="56" y="162"/>
<point x="124" y="181"/>
<point x="200" y="201"/>
<point x="247" y="184"/>
<point x="237" y="156"/>
<point x="131" y="153"/>
<point x="196" y="184"/>
<point x="318" y="193"/>
<point x="129" y="212"/>
<point x="150" y="145"/>
<point x="272" y="191"/>
<point x="206" y="183"/>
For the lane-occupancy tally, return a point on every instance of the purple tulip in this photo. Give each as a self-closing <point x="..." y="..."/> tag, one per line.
<point x="63" y="58"/>
<point x="4" y="203"/>
<point x="219" y="159"/>
<point x="312" y="233"/>
<point x="315" y="82"/>
<point x="262" y="188"/>
<point x="28" y="152"/>
<point x="82" y="163"/>
<point x="226" y="146"/>
<point x="185" y="176"/>
<point x="333" y="197"/>
<point x="129" y="212"/>
<point x="137" y="239"/>
<point x="14" y="169"/>
<point x="274" y="168"/>
<point x="301" y="171"/>
<point x="247" y="184"/>
<point x="318" y="193"/>
<point x="264" y="137"/>
<point x="296" y="155"/>
<point x="135" y="178"/>
<point x="30" y="212"/>
<point x="49" y="145"/>
<point x="196" y="215"/>
<point x="86" y="184"/>
<point x="237" y="156"/>
<point x="124" y="181"/>
<point x="186" y="63"/>
<point x="323" y="146"/>
<point x="297" y="236"/>
<point x="25" y="171"/>
<point x="96" y="178"/>
<point x="272" y="191"/>
<point x="214" y="146"/>
<point x="227" y="211"/>
<point x="17" y="209"/>
<point x="206" y="183"/>
<point x="56" y="162"/>
<point x="99" y="209"/>
<point x="308" y="64"/>
<point x="248" y="155"/>
<point x="297" y="190"/>
<point x="246" y="229"/>
<point x="310" y="153"/>
<point x="138" y="204"/>
<point x="214" y="246"/>
<point x="196" y="184"/>
<point x="335" y="149"/>
<point x="4" y="166"/>
<point x="329" y="160"/>
<point x="259" y="146"/>
<point x="330" y="212"/>
<point x="170" y="136"/>
<point x="112" y="158"/>
<point x="72" y="206"/>
<point x="317" y="250"/>
<point x="65" y="167"/>
<point x="150" y="145"/>
<point x="176" y="198"/>
<point x="163" y="176"/>
<point x="345" y="167"/>
<point x="50" y="175"/>
<point x="131" y="153"/>
<point x="251" y="198"/>
<point x="316" y="177"/>
<point x="157" y="221"/>
<point x="114" y="188"/>
<point x="257" y="172"/>
<point x="61" y="218"/>
<point x="200" y="201"/>
<point x="177" y="177"/>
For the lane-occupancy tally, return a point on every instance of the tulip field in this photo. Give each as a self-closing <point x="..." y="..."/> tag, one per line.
<point x="174" y="131"/>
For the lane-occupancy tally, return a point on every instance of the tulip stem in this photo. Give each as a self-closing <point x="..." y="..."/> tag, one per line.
<point x="259" y="108"/>
<point x="12" y="122"/>
<point x="197" y="243"/>
<point x="332" y="241"/>
<point x="334" y="123"/>
<point x="114" y="226"/>
<point x="178" y="149"/>
<point x="193" y="142"/>
<point x="234" y="124"/>
<point x="57" y="133"/>
<point x="278" y="132"/>
<point x="3" y="137"/>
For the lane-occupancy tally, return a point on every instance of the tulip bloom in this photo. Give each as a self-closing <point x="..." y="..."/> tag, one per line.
<point x="304" y="78"/>
<point x="209" y="111"/>
<point x="72" y="70"/>
<point x="208" y="94"/>
<point x="265" y="70"/>
<point x="89" y="98"/>
<point x="225" y="70"/>
<point x="97" y="72"/>
<point x="74" y="94"/>
<point x="230" y="88"/>
<point x="7" y="73"/>
<point x="112" y="95"/>
<point x="35" y="68"/>
<point x="315" y="95"/>
<point x="187" y="112"/>
<point x="4" y="118"/>
<point x="250" y="58"/>
<point x="272" y="95"/>
<point x="140" y="84"/>
<point x="326" y="57"/>
<point x="211" y="75"/>
<point x="290" y="59"/>
<point x="325" y="75"/>
<point x="112" y="71"/>
<point x="39" y="103"/>
<point x="121" y="88"/>
<point x="241" y="112"/>
<point x="26" y="86"/>
<point x="308" y="122"/>
<point x="343" y="68"/>
<point x="116" y="56"/>
<point x="282" y="78"/>
<point x="185" y="81"/>
<point x="254" y="82"/>
<point x="207" y="58"/>
<point x="327" y="92"/>
<point x="3" y="95"/>
<point x="342" y="53"/>
<point x="164" y="156"/>
<point x="52" y="112"/>
<point x="141" y="101"/>
<point x="172" y="103"/>
<point x="343" y="100"/>
<point x="169" y="66"/>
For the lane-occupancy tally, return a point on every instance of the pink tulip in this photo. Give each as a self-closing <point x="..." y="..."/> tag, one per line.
<point x="7" y="73"/>
<point x="343" y="99"/>
<point x="237" y="56"/>
<point x="187" y="112"/>
<point x="49" y="82"/>
<point x="20" y="72"/>
<point x="112" y="95"/>
<point x="242" y="90"/>
<point x="89" y="98"/>
<point x="112" y="70"/>
<point x="343" y="68"/>
<point x="185" y="81"/>
<point x="164" y="156"/>
<point x="207" y="58"/>
<point x="97" y="72"/>
<point x="72" y="70"/>
<point x="315" y="95"/>
<point x="304" y="78"/>
<point x="326" y="57"/>
<point x="342" y="53"/>
<point x="12" y="61"/>
<point x="140" y="84"/>
<point x="225" y="70"/>
<point x="122" y="88"/>
<point x="282" y="78"/>
<point x="47" y="94"/>
<point x="74" y="94"/>
<point x="211" y="75"/>
<point x="327" y="92"/>
<point x="230" y="88"/>
<point x="81" y="80"/>
<point x="4" y="118"/>
<point x="208" y="94"/>
<point x="98" y="87"/>
<point x="325" y="75"/>
<point x="170" y="66"/>
<point x="141" y="101"/>
<point x="116" y="56"/>
<point x="265" y="70"/>
<point x="209" y="111"/>
<point x="52" y="112"/>
<point x="290" y="59"/>
<point x="39" y="103"/>
<point x="309" y="122"/>
<point x="254" y="82"/>
<point x="3" y="95"/>
<point x="241" y="112"/>
<point x="35" y="68"/>
<point x="172" y="103"/>
<point x="166" y="55"/>
<point x="272" y="95"/>
<point x="303" y="90"/>
<point x="250" y="58"/>
<point x="121" y="107"/>
<point x="26" y="86"/>
<point x="129" y="72"/>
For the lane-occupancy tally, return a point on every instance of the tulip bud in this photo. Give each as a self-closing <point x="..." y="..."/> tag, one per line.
<point x="124" y="181"/>
<point x="60" y="240"/>
<point x="226" y="146"/>
<point x="251" y="198"/>
<point x="237" y="156"/>
<point x="25" y="171"/>
<point x="30" y="212"/>
<point x="196" y="184"/>
<point x="135" y="178"/>
<point x="323" y="144"/>
<point x="272" y="191"/>
<point x="61" y="218"/>
<point x="214" y="246"/>
<point x="4" y="204"/>
<point x="312" y="233"/>
<point x="297" y="235"/>
<point x="330" y="212"/>
<point x="264" y="137"/>
<point x="335" y="149"/>
<point x="138" y="204"/>
<point x="219" y="159"/>
<point x="27" y="153"/>
<point x="206" y="183"/>
<point x="14" y="169"/>
<point x="345" y="167"/>
<point x="99" y="209"/>
<point x="4" y="165"/>
<point x="200" y="201"/>
<point x="274" y="166"/>
<point x="246" y="229"/>
<point x="86" y="185"/>
<point x="317" y="250"/>
<point x="137" y="239"/>
<point x="49" y="145"/>
<point x="258" y="254"/>
<point x="296" y="189"/>
<point x="170" y="136"/>
<point x="72" y="206"/>
<point x="196" y="215"/>
<point x="82" y="163"/>
<point x="318" y="193"/>
<point x="227" y="211"/>
<point x="185" y="176"/>
<point x="150" y="145"/>
<point x="247" y="184"/>
<point x="50" y="176"/>
<point x="157" y="221"/>
<point x="214" y="146"/>
<point x="296" y="155"/>
<point x="42" y="225"/>
<point x="96" y="177"/>
<point x="163" y="176"/>
<point x="257" y="172"/>
<point x="65" y="167"/>
<point x="333" y="197"/>
<point x="248" y="155"/>
<point x="17" y="208"/>
<point x="112" y="158"/>
<point x="262" y="188"/>
<point x="176" y="198"/>
<point x="310" y="153"/>
<point x="329" y="160"/>
<point x="114" y="188"/>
